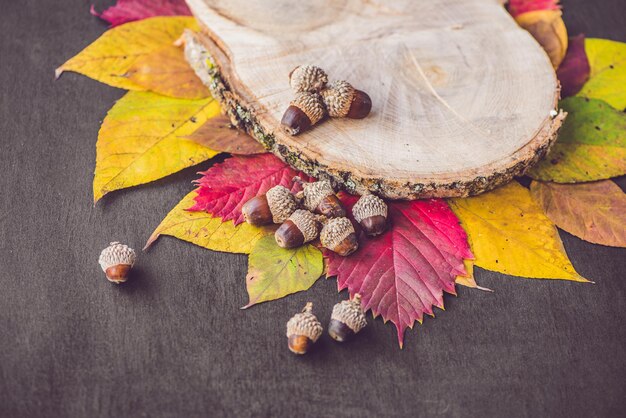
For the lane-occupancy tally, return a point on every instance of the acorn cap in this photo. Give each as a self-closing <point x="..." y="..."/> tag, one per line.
<point x="335" y="231"/>
<point x="338" y="98"/>
<point x="315" y="192"/>
<point x="307" y="78"/>
<point x="311" y="105"/>
<point x="305" y="323"/>
<point x="350" y="312"/>
<point x="367" y="206"/>
<point x="281" y="202"/>
<point x="116" y="254"/>
<point x="307" y="223"/>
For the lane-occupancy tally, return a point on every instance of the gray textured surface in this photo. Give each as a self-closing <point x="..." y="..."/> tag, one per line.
<point x="173" y="342"/>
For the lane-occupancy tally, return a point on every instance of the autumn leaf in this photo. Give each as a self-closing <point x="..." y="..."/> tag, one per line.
<point x="518" y="7"/>
<point x="206" y="231"/>
<point x="574" y="70"/>
<point x="595" y="212"/>
<point x="405" y="271"/>
<point x="109" y="58"/>
<point x="128" y="10"/>
<point x="166" y="72"/>
<point x="591" y="144"/>
<point x="274" y="272"/>
<point x="607" y="79"/>
<point x="225" y="187"/>
<point x="510" y="234"/>
<point x="547" y="27"/>
<point x="143" y="138"/>
<point x="219" y="135"/>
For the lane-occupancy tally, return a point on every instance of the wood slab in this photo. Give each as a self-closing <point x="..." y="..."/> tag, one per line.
<point x="463" y="99"/>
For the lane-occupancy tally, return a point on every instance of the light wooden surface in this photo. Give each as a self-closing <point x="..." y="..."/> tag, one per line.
<point x="461" y="95"/>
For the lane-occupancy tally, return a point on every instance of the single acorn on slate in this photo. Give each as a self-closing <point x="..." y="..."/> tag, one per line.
<point x="347" y="319"/>
<point x="343" y="100"/>
<point x="307" y="78"/>
<point x="303" y="330"/>
<point x="338" y="235"/>
<point x="319" y="197"/>
<point x="371" y="213"/>
<point x="275" y="206"/>
<point x="301" y="227"/>
<point x="116" y="261"/>
<point x="303" y="112"/>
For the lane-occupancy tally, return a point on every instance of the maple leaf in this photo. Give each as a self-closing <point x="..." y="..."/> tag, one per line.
<point x="574" y="70"/>
<point x="225" y="187"/>
<point x="607" y="78"/>
<point x="219" y="135"/>
<point x="403" y="273"/>
<point x="129" y="10"/>
<point x="518" y="7"/>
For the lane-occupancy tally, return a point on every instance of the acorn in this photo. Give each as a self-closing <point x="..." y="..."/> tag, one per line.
<point x="347" y="319"/>
<point x="303" y="112"/>
<point x="371" y="213"/>
<point x="303" y="330"/>
<point x="342" y="100"/>
<point x="275" y="206"/>
<point x="307" y="78"/>
<point x="319" y="197"/>
<point x="338" y="235"/>
<point x="116" y="261"/>
<point x="301" y="227"/>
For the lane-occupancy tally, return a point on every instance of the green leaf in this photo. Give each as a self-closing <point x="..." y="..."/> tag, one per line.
<point x="607" y="80"/>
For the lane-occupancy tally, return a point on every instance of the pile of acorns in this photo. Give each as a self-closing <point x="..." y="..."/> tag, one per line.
<point x="315" y="99"/>
<point x="315" y="212"/>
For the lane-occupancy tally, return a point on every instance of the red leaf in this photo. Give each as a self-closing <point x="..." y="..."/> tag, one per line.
<point x="574" y="69"/>
<point x="225" y="187"/>
<point x="403" y="273"/>
<point x="517" y="7"/>
<point x="130" y="10"/>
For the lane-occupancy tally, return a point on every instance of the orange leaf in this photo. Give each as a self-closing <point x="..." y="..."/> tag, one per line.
<point x="547" y="27"/>
<point x="219" y="135"/>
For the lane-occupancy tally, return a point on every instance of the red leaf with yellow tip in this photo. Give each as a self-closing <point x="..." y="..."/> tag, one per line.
<point x="517" y="7"/>
<point x="131" y="10"/>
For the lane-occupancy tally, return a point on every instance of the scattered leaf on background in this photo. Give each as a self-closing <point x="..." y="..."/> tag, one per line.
<point x="275" y="272"/>
<point x="109" y="57"/>
<point x="574" y="70"/>
<point x="166" y="72"/>
<point x="405" y="271"/>
<point x="143" y="138"/>
<point x="206" y="231"/>
<point x="469" y="280"/>
<point x="591" y="144"/>
<point x="517" y="7"/>
<point x="607" y="79"/>
<point x="595" y="212"/>
<point x="225" y="187"/>
<point x="130" y="10"/>
<point x="547" y="27"/>
<point x="510" y="234"/>
<point x="219" y="135"/>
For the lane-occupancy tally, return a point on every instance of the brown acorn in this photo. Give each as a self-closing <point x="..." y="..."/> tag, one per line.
<point x="371" y="213"/>
<point x="303" y="330"/>
<point x="319" y="197"/>
<point x="275" y="206"/>
<point x="303" y="112"/>
<point x="347" y="319"/>
<point x="116" y="261"/>
<point x="343" y="100"/>
<point x="307" y="78"/>
<point x="338" y="235"/>
<point x="301" y="227"/>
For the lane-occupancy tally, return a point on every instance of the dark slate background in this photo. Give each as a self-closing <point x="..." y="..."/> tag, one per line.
<point x="172" y="342"/>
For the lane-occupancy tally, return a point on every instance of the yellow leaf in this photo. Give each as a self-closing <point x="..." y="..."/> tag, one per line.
<point x="143" y="138"/>
<point x="109" y="57"/>
<point x="509" y="233"/>
<point x="203" y="229"/>
<point x="547" y="27"/>
<point x="607" y="79"/>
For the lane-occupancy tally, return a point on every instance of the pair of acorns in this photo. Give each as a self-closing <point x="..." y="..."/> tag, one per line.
<point x="315" y="99"/>
<point x="323" y="216"/>
<point x="304" y="329"/>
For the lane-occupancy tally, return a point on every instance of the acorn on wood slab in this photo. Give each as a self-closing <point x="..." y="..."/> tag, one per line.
<point x="371" y="213"/>
<point x="338" y="235"/>
<point x="319" y="197"/>
<point x="116" y="261"/>
<point x="344" y="101"/>
<point x="301" y="227"/>
<point x="347" y="319"/>
<point x="275" y="206"/>
<point x="307" y="78"/>
<point x="304" y="111"/>
<point x="303" y="330"/>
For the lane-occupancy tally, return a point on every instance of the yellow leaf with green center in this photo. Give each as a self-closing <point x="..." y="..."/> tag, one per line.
<point x="109" y="57"/>
<point x="510" y="234"/>
<point x="607" y="79"/>
<point x="144" y="137"/>
<point x="203" y="229"/>
<point x="275" y="272"/>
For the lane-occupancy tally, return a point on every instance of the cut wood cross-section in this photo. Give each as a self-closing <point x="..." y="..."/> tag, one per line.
<point x="463" y="99"/>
